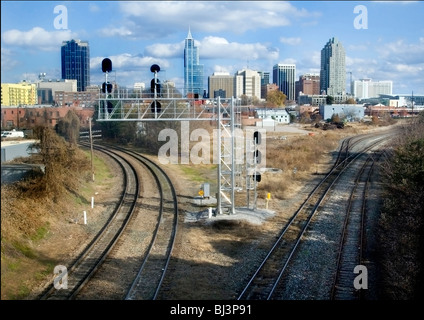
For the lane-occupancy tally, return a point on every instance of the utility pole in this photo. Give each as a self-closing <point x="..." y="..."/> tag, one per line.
<point x="91" y="148"/>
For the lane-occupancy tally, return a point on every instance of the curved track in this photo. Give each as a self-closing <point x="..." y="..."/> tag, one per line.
<point x="154" y="262"/>
<point x="81" y="270"/>
<point x="152" y="270"/>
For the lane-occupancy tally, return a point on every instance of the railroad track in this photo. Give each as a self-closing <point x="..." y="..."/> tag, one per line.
<point x="351" y="244"/>
<point x="153" y="264"/>
<point x="152" y="272"/>
<point x="264" y="281"/>
<point x="84" y="267"/>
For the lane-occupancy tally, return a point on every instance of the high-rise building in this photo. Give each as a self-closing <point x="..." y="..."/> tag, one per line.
<point x="248" y="83"/>
<point x="264" y="78"/>
<point x="365" y="88"/>
<point x="333" y="69"/>
<point x="193" y="71"/>
<point x="76" y="62"/>
<point x="284" y="76"/>
<point x="219" y="83"/>
<point x="308" y="84"/>
<point x="58" y="85"/>
<point x="15" y="94"/>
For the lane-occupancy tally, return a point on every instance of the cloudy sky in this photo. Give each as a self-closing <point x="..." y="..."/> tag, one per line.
<point x="384" y="40"/>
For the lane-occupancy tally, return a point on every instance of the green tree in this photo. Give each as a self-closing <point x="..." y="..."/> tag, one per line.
<point x="276" y="98"/>
<point x="330" y="100"/>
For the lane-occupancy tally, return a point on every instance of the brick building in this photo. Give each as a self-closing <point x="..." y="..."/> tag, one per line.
<point x="28" y="117"/>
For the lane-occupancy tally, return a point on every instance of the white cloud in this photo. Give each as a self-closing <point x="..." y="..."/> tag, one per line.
<point x="119" y="32"/>
<point x="288" y="61"/>
<point x="128" y="61"/>
<point x="37" y="38"/>
<point x="7" y="60"/>
<point x="411" y="70"/>
<point x="222" y="68"/>
<point x="212" y="47"/>
<point x="93" y="8"/>
<point x="401" y="52"/>
<point x="291" y="41"/>
<point x="164" y="17"/>
<point x="219" y="48"/>
<point x="165" y="50"/>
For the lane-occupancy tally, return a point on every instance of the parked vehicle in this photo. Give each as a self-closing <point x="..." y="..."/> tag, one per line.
<point x="12" y="134"/>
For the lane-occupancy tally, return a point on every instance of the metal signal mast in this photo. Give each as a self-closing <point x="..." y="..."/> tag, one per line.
<point x="225" y="112"/>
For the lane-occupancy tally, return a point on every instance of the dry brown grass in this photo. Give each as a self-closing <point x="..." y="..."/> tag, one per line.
<point x="298" y="157"/>
<point x="25" y="222"/>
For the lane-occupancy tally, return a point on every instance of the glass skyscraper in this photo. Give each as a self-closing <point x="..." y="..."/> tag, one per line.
<point x="333" y="68"/>
<point x="76" y="62"/>
<point x="193" y="71"/>
<point x="284" y="76"/>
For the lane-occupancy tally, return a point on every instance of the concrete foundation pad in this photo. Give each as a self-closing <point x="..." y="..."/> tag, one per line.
<point x="257" y="216"/>
<point x="205" y="202"/>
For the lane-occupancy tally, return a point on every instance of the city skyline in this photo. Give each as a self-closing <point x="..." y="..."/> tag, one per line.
<point x="383" y="40"/>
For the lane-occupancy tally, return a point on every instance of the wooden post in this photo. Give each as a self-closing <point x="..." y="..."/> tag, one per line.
<point x="91" y="147"/>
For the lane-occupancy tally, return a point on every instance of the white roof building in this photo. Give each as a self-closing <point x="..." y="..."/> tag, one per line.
<point x="278" y="115"/>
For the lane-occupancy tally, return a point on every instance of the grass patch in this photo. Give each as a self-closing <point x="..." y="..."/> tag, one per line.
<point x="24" y="249"/>
<point x="41" y="232"/>
<point x="46" y="272"/>
<point x="22" y="293"/>
<point x="199" y="173"/>
<point x="102" y="174"/>
<point x="101" y="171"/>
<point x="13" y="265"/>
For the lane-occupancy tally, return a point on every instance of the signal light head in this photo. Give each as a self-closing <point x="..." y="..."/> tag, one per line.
<point x="155" y="105"/>
<point x="154" y="68"/>
<point x="153" y="84"/>
<point x="106" y="65"/>
<point x="106" y="87"/>
<point x="257" y="137"/>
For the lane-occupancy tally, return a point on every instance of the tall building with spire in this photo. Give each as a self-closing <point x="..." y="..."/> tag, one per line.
<point x="193" y="71"/>
<point x="76" y="62"/>
<point x="333" y="68"/>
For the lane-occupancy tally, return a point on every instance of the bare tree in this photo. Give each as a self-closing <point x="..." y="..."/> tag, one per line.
<point x="69" y="127"/>
<point x="64" y="164"/>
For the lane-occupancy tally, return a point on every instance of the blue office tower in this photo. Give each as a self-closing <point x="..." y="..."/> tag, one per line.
<point x="193" y="71"/>
<point x="76" y="62"/>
